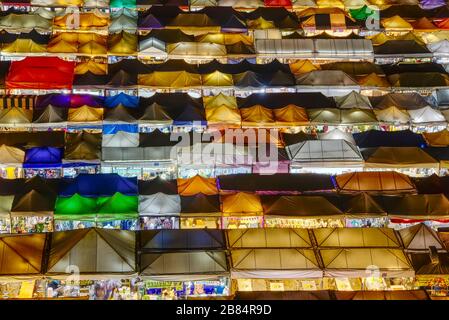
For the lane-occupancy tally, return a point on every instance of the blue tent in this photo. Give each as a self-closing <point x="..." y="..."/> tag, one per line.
<point x="114" y="128"/>
<point x="377" y="138"/>
<point x="43" y="157"/>
<point x="99" y="185"/>
<point x="123" y="99"/>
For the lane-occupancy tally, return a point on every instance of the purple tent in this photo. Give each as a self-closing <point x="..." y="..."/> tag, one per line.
<point x="430" y="4"/>
<point x="43" y="157"/>
<point x="99" y="185"/>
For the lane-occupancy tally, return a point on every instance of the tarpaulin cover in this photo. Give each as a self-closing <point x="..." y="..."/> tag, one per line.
<point x="384" y="182"/>
<point x="299" y="206"/>
<point x="437" y="139"/>
<point x="40" y="73"/>
<point x="94" y="251"/>
<point x="21" y="254"/>
<point x="148" y="187"/>
<point x="121" y="99"/>
<point x="404" y="157"/>
<point x="277" y="183"/>
<point x="197" y="184"/>
<point x="200" y="204"/>
<point x="99" y="185"/>
<point x="43" y="157"/>
<point x="241" y="203"/>
<point x="377" y="138"/>
<point x="173" y="240"/>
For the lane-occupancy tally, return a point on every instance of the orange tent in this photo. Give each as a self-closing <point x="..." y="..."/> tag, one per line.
<point x="197" y="184"/>
<point x="257" y="116"/>
<point x="437" y="139"/>
<point x="291" y="115"/>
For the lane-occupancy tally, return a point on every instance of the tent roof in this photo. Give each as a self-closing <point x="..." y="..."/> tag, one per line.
<point x="299" y="206"/>
<point x="437" y="139"/>
<point x="324" y="150"/>
<point x="21" y="254"/>
<point x="378" y="138"/>
<point x="181" y="240"/>
<point x="196" y="185"/>
<point x="422" y="206"/>
<point x="99" y="185"/>
<point x="419" y="238"/>
<point x="384" y="182"/>
<point x="148" y="187"/>
<point x="200" y="204"/>
<point x="403" y="157"/>
<point x="159" y="204"/>
<point x="356" y="238"/>
<point x="11" y="155"/>
<point x="353" y="100"/>
<point x="93" y="251"/>
<point x="268" y="238"/>
<point x="241" y="202"/>
<point x="280" y="182"/>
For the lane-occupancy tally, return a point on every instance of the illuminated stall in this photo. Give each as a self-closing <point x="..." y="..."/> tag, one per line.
<point x="180" y="264"/>
<point x="104" y="261"/>
<point x="241" y="210"/>
<point x="301" y="212"/>
<point x="159" y="204"/>
<point x="273" y="260"/>
<point x="21" y="266"/>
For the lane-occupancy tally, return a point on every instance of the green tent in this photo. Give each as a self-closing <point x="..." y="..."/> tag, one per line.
<point x="117" y="207"/>
<point x="75" y="207"/>
<point x="361" y="13"/>
<point x="123" y="4"/>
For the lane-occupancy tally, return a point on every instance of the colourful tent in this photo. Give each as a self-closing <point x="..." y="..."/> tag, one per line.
<point x="196" y="185"/>
<point x="40" y="73"/>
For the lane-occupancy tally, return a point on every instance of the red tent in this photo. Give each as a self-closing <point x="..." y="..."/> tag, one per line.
<point x="278" y="3"/>
<point x="40" y="73"/>
<point x="443" y="24"/>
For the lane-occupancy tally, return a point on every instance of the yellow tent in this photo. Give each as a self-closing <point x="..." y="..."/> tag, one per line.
<point x="291" y="115"/>
<point x="392" y="115"/>
<point x="122" y="43"/>
<point x="196" y="185"/>
<point x="219" y="100"/>
<point x="62" y="46"/>
<point x="85" y="114"/>
<point x="96" y="68"/>
<point x="24" y="46"/>
<point x="380" y="39"/>
<point x="256" y="116"/>
<point x="11" y="155"/>
<point x="330" y="4"/>
<point x="241" y="203"/>
<point x="170" y="79"/>
<point x="225" y="38"/>
<point x="260" y="23"/>
<point x="217" y="79"/>
<point x="373" y="80"/>
<point x="384" y="182"/>
<point x="437" y="139"/>
<point x="93" y="48"/>
<point x="195" y="49"/>
<point x="223" y="115"/>
<point x="396" y="23"/>
<point x="15" y="115"/>
<point x="435" y="36"/>
<point x="87" y="21"/>
<point x="303" y="66"/>
<point x="312" y="11"/>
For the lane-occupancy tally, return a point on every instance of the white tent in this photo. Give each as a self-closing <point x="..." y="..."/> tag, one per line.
<point x="440" y="48"/>
<point x="272" y="253"/>
<point x="337" y="134"/>
<point x="353" y="100"/>
<point x="324" y="151"/>
<point x="419" y="238"/>
<point x="121" y="139"/>
<point x="426" y="115"/>
<point x="392" y="115"/>
<point x="159" y="204"/>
